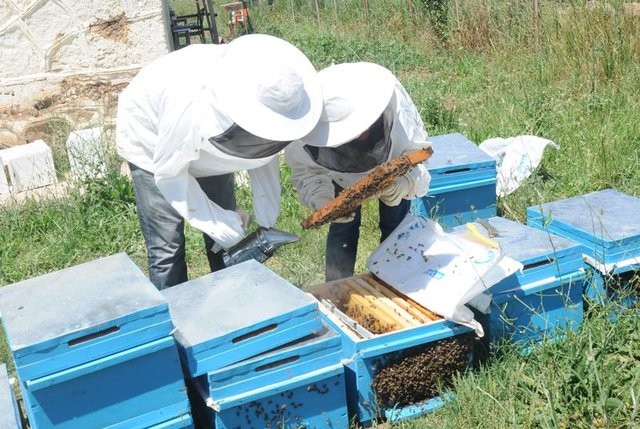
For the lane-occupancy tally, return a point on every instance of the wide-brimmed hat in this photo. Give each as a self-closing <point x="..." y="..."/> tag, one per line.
<point x="268" y="87"/>
<point x="355" y="95"/>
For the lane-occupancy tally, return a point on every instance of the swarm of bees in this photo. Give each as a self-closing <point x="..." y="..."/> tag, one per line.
<point x="414" y="376"/>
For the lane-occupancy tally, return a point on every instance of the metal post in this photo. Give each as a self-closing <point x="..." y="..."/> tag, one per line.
<point x="213" y="29"/>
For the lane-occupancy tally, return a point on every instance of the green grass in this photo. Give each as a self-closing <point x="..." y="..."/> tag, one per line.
<point x="490" y="70"/>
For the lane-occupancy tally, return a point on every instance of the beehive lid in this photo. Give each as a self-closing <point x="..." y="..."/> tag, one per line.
<point x="604" y="219"/>
<point x="9" y="417"/>
<point x="542" y="254"/>
<point x="237" y="313"/>
<point x="454" y="152"/>
<point x="58" y="320"/>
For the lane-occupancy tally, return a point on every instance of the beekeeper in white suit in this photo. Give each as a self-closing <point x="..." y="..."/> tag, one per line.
<point x="192" y="118"/>
<point x="368" y="119"/>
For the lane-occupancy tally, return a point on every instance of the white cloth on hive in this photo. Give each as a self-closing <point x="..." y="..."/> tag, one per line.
<point x="443" y="272"/>
<point x="516" y="158"/>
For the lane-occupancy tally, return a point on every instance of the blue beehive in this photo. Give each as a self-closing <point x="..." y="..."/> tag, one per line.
<point x="546" y="296"/>
<point x="463" y="182"/>
<point x="369" y="356"/>
<point x="236" y="313"/>
<point x="298" y="385"/>
<point x="607" y="225"/>
<point x="9" y="413"/>
<point x="92" y="347"/>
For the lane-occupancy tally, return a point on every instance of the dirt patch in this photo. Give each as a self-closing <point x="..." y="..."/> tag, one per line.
<point x="77" y="88"/>
<point x="76" y="100"/>
<point x="116" y="28"/>
<point x="412" y="377"/>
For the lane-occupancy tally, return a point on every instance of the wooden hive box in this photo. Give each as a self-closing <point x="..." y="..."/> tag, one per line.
<point x="300" y="384"/>
<point x="92" y="347"/>
<point x="607" y="225"/>
<point x="463" y="182"/>
<point x="236" y="313"/>
<point x="381" y="330"/>
<point x="546" y="296"/>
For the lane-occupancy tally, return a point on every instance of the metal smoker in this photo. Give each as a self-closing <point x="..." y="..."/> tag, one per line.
<point x="259" y="245"/>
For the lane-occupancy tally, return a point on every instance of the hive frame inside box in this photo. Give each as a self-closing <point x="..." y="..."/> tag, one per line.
<point x="364" y="351"/>
<point x="611" y="240"/>
<point x="463" y="182"/>
<point x="301" y="383"/>
<point x="68" y="341"/>
<point x="546" y="295"/>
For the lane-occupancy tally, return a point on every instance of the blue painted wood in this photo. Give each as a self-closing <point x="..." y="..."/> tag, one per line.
<point x="9" y="414"/>
<point x="400" y="414"/>
<point x="463" y="182"/>
<point x="171" y="416"/>
<point x="605" y="222"/>
<point x="312" y="400"/>
<point x="538" y="311"/>
<point x="183" y="421"/>
<point x="280" y="365"/>
<point x="236" y="313"/>
<point x="546" y="296"/>
<point x="138" y="387"/>
<point x="66" y="318"/>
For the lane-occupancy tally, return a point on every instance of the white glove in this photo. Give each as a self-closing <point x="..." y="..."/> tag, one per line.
<point x="393" y="194"/>
<point x="240" y="218"/>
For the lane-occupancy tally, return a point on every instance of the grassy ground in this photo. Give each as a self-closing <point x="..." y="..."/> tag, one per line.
<point x="483" y="68"/>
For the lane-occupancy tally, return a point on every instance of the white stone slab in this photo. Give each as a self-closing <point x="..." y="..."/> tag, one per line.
<point x="4" y="183"/>
<point x="28" y="166"/>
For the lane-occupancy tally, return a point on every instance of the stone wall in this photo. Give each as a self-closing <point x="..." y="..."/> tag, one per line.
<point x="69" y="59"/>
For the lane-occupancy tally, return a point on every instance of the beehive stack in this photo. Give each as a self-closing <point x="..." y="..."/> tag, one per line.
<point x="384" y="334"/>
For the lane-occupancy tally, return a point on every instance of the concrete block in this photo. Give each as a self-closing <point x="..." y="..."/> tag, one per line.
<point x="4" y="183"/>
<point x="28" y="166"/>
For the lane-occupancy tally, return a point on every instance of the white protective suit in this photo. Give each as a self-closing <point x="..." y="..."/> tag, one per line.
<point x="314" y="182"/>
<point x="166" y="116"/>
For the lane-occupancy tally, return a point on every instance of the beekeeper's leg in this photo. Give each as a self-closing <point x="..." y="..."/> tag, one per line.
<point x="342" y="246"/>
<point x="390" y="217"/>
<point x="220" y="190"/>
<point x="163" y="231"/>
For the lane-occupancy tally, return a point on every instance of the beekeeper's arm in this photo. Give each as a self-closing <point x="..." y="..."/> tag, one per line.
<point x="178" y="145"/>
<point x="265" y="187"/>
<point x="408" y="134"/>
<point x="313" y="184"/>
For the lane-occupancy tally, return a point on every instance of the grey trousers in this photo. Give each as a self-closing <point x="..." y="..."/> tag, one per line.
<point x="163" y="228"/>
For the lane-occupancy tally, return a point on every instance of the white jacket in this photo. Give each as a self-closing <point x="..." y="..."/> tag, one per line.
<point x="314" y="182"/>
<point x="165" y="117"/>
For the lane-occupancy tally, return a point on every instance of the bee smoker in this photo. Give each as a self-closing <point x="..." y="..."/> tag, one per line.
<point x="259" y="245"/>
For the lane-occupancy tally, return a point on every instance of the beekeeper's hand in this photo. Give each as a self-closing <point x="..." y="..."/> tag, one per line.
<point x="318" y="201"/>
<point x="393" y="194"/>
